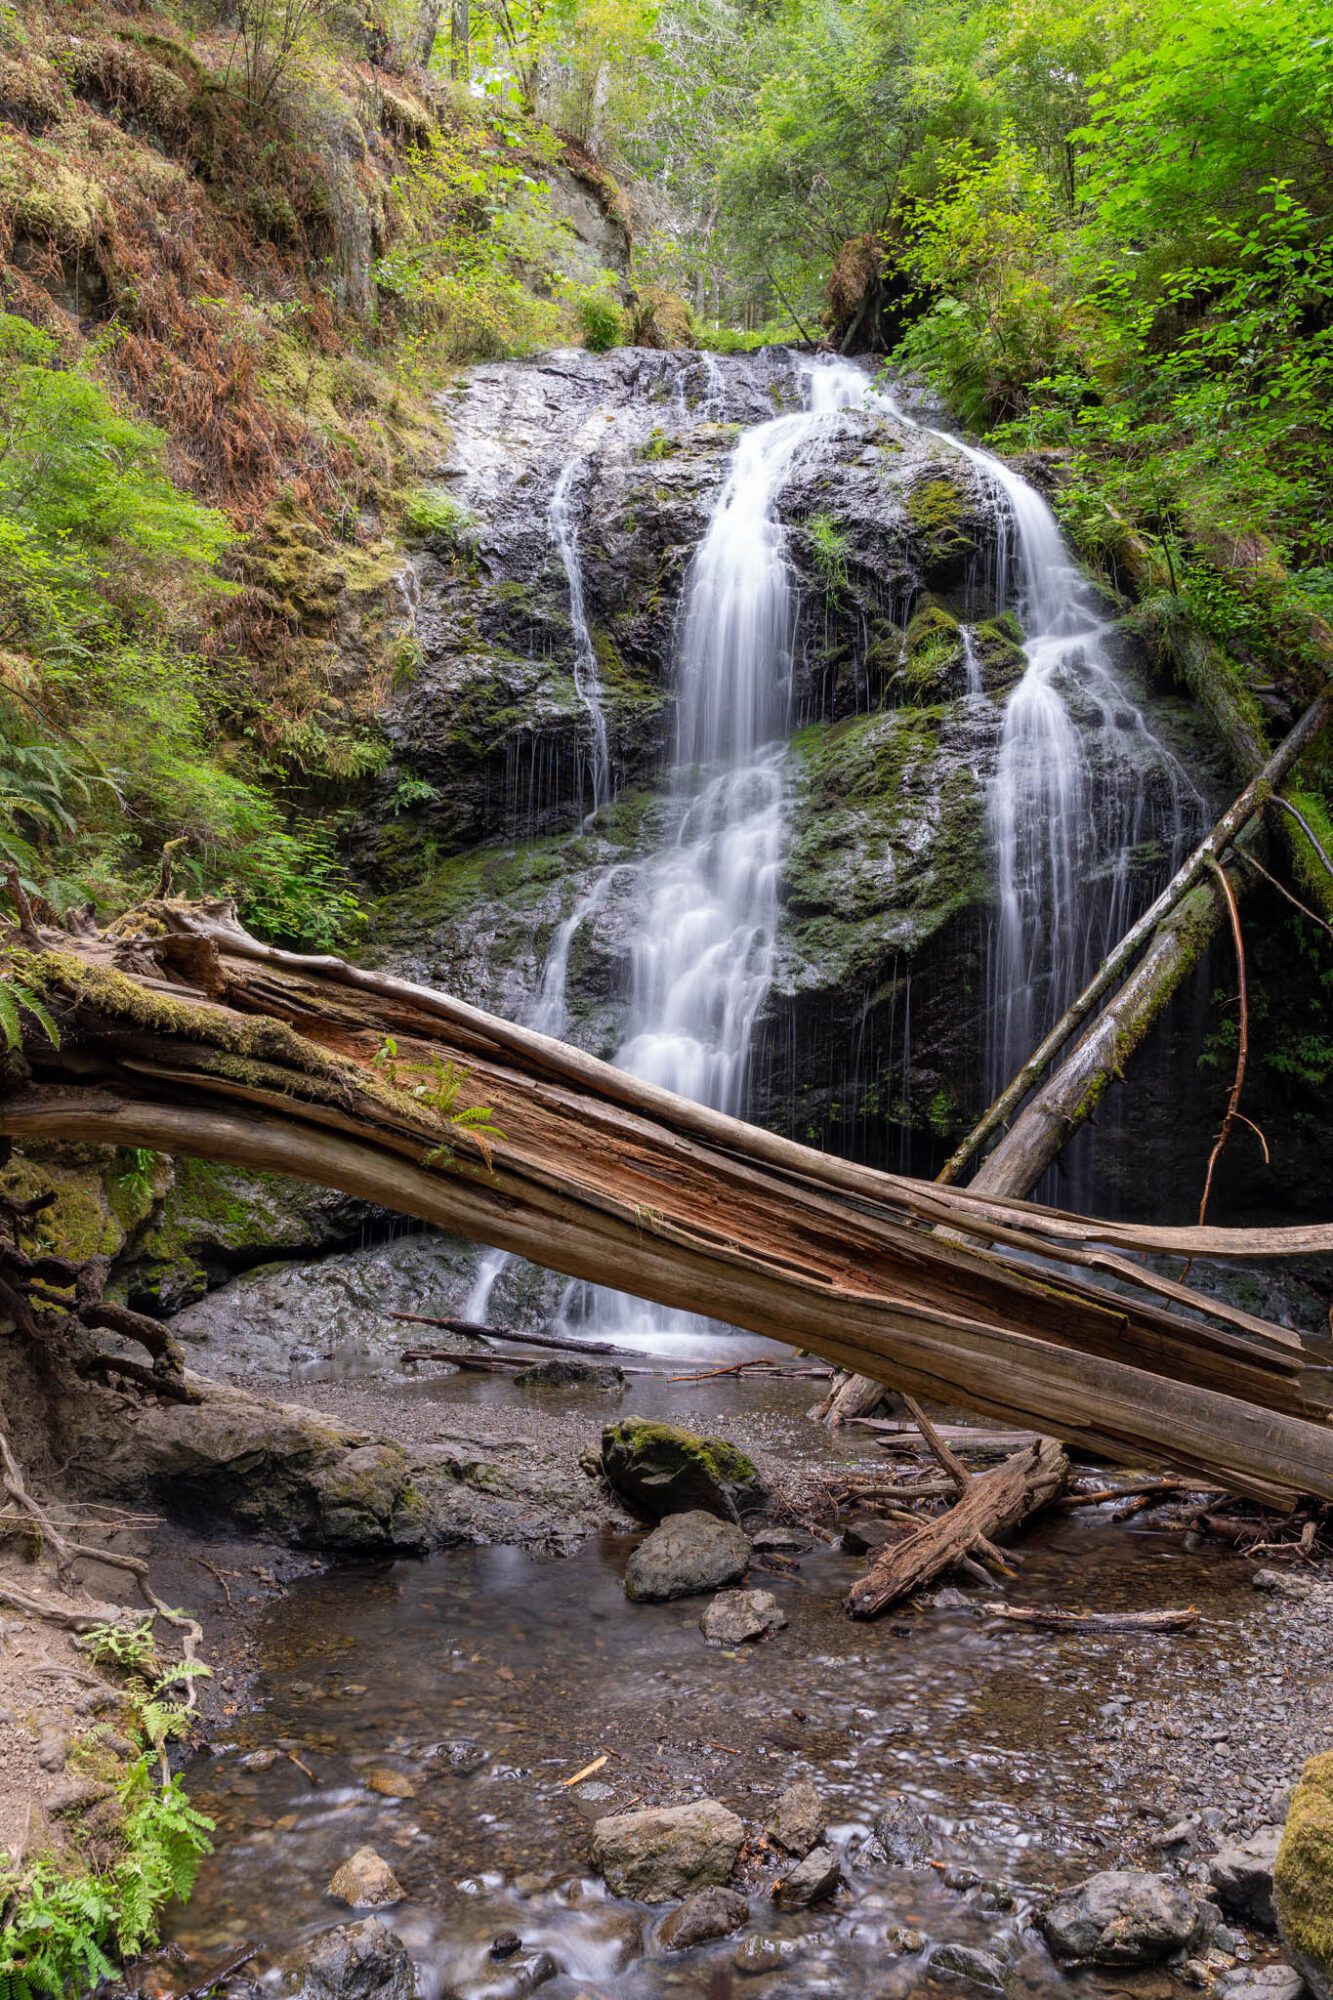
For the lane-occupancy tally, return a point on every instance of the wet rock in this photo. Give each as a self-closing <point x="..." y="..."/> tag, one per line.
<point x="810" y="1881"/>
<point x="902" y="1836"/>
<point x="511" y="1978"/>
<point x="1303" y="1878"/>
<point x="1242" y="1877"/>
<point x="356" y="1962"/>
<point x="964" y="1962"/>
<point x="506" y="1944"/>
<point x="460" y="1754"/>
<point x="660" y="1469"/>
<point x="390" y="1784"/>
<point x="737" y="1615"/>
<point x="1284" y="1583"/>
<point x="667" y="1851"/>
<point x="1277" y="1981"/>
<point x="366" y="1882"/>
<point x="867" y="1535"/>
<point x="688" y="1554"/>
<point x="901" y="1938"/>
<point x="260" y="1760"/>
<point x="713" y="1913"/>
<point x="759" y="1955"/>
<point x="949" y="1599"/>
<point x="562" y="1374"/>
<point x="799" y="1818"/>
<point x="1123" y="1916"/>
<point x="781" y="1541"/>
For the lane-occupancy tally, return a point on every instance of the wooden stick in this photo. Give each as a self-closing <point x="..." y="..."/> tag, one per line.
<point x="1093" y="1621"/>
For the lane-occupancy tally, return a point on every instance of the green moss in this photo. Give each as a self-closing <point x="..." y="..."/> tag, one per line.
<point x="716" y="1458"/>
<point x="933" y="659"/>
<point x="938" y="510"/>
<point x="1303" y="1877"/>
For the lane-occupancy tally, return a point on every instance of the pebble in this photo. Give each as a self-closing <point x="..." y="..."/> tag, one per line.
<point x="390" y="1784"/>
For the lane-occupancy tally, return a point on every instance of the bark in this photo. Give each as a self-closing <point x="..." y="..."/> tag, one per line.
<point x="268" y="1060"/>
<point x="990" y="1504"/>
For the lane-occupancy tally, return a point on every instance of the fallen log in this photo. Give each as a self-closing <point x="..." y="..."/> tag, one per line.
<point x="234" y="1051"/>
<point x="1053" y="1620"/>
<point x="469" y="1330"/>
<point x="992" y="1503"/>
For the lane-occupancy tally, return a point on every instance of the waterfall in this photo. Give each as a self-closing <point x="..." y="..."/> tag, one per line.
<point x="563" y="519"/>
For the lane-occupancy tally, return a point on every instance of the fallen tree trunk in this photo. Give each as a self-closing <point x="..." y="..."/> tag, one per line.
<point x="990" y="1504"/>
<point x="225" y="1049"/>
<point x="1049" y="1619"/>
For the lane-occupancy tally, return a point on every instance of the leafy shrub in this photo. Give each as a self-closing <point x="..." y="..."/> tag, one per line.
<point x="427" y="511"/>
<point x="601" y="320"/>
<point x="293" y="889"/>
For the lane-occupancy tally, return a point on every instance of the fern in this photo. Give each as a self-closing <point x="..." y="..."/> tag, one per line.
<point x="16" y="1000"/>
<point x="439" y="1085"/>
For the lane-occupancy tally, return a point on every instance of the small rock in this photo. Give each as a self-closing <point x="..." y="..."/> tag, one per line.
<point x="1122" y="1917"/>
<point x="737" y="1615"/>
<point x="713" y="1913"/>
<point x="817" y="1876"/>
<point x="366" y="1882"/>
<point x="960" y="1878"/>
<point x="688" y="1554"/>
<point x="661" y="1469"/>
<point x="52" y="1750"/>
<point x="1277" y="1981"/>
<point x="1242" y="1877"/>
<point x="900" y="1938"/>
<point x="664" y="1852"/>
<point x="1180" y="1835"/>
<point x="390" y="1784"/>
<point x="260" y="1760"/>
<point x="569" y="1374"/>
<point x="1283" y="1583"/>
<point x="506" y="1944"/>
<point x="356" y="1962"/>
<point x="764" y="1954"/>
<point x="981" y="1967"/>
<point x="995" y="1896"/>
<point x="461" y="1754"/>
<point x="781" y="1542"/>
<point x="508" y="1979"/>
<point x="867" y="1535"/>
<point x="799" y="1818"/>
<point x="901" y="1835"/>
<point x="949" y="1599"/>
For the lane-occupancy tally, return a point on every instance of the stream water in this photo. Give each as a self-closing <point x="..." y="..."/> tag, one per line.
<point x="483" y="1679"/>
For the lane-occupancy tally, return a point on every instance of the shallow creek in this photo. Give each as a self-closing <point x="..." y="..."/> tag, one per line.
<point x="1022" y="1751"/>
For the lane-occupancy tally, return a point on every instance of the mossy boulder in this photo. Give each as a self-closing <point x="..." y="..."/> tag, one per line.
<point x="934" y="664"/>
<point x="942" y="511"/>
<point x="1303" y="1878"/>
<point x="661" y="1469"/>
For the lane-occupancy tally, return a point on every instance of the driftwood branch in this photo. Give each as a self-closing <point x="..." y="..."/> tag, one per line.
<point x="992" y="1503"/>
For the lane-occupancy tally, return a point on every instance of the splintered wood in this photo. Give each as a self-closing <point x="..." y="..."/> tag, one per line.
<point x="182" y="1033"/>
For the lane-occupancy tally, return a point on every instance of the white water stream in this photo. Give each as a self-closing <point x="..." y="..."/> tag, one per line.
<point x="1064" y="822"/>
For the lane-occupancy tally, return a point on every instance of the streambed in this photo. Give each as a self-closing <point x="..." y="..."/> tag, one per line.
<point x="1032" y="1759"/>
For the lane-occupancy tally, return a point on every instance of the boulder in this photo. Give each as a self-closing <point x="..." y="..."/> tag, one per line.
<point x="356" y="1962"/>
<point x="1303" y="1878"/>
<point x="688" y="1554"/>
<point x="366" y="1882"/>
<point x="660" y="1469"/>
<point x="561" y="1373"/>
<point x="799" y="1818"/>
<point x="1277" y="1981"/>
<point x="713" y="1913"/>
<point x="810" y="1881"/>
<point x="667" y="1851"/>
<point x="983" y="1968"/>
<point x="1242" y="1877"/>
<point x="737" y="1615"/>
<point x="1123" y="1916"/>
<point x="901" y="1835"/>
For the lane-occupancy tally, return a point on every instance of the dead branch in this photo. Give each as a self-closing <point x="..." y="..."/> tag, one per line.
<point x="1053" y="1620"/>
<point x="1242" y="1046"/>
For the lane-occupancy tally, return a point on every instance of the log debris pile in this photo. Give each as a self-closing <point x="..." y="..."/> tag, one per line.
<point x="179" y="1032"/>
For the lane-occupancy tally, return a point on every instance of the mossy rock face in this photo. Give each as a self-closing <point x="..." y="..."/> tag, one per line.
<point x="998" y="647"/>
<point x="102" y="1195"/>
<point x="942" y="511"/>
<point x="935" y="658"/>
<point x="660" y="1469"/>
<point x="1303" y="1878"/>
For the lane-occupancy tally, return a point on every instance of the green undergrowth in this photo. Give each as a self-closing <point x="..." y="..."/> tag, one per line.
<point x="71" y="1912"/>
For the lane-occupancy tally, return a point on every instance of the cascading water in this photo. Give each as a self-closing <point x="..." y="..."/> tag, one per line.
<point x="563" y="519"/>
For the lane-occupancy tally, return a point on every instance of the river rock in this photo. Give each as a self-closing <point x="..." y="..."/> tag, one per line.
<point x="390" y="1784"/>
<point x="1123" y="1916"/>
<point x="559" y="1373"/>
<point x="356" y="1962"/>
<point x="781" y="1541"/>
<point x="713" y="1913"/>
<point x="660" y="1469"/>
<point x="983" y="1968"/>
<point x="366" y="1882"/>
<point x="901" y="1835"/>
<point x="1242" y="1877"/>
<point x="810" y="1881"/>
<point x="757" y="1955"/>
<point x="1277" y="1981"/>
<point x="737" y="1615"/>
<point x="667" y="1851"/>
<point x="512" y="1978"/>
<point x="688" y="1554"/>
<point x="799" y="1818"/>
<point x="1303" y="1878"/>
